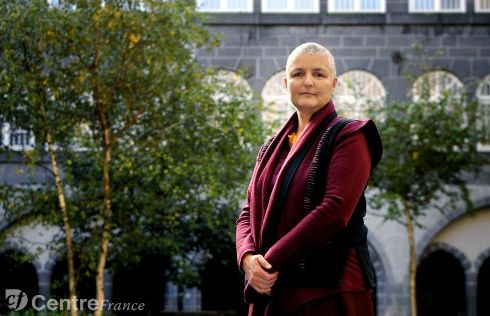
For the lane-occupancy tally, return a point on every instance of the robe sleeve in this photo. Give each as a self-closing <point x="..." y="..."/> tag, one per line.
<point x="244" y="239"/>
<point x="348" y="174"/>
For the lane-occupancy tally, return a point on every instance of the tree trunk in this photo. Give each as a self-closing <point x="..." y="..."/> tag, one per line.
<point x="106" y="185"/>
<point x="64" y="214"/>
<point x="413" y="259"/>
<point x="106" y="212"/>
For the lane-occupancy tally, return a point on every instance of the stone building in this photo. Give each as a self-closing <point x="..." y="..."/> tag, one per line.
<point x="374" y="43"/>
<point x="375" y="46"/>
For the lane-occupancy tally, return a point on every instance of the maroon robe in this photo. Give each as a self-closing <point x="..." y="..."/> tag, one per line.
<point x="358" y="149"/>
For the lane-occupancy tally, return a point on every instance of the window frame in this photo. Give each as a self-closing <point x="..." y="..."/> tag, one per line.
<point x="357" y="8"/>
<point x="438" y="74"/>
<point x="225" y="77"/>
<point x="6" y="138"/>
<point x="478" y="8"/>
<point x="485" y="99"/>
<point x="289" y="9"/>
<point x="437" y="8"/>
<point x="279" y="97"/>
<point x="223" y="7"/>
<point x="361" y="77"/>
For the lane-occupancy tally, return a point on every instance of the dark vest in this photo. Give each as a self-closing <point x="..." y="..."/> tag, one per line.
<point x="324" y="266"/>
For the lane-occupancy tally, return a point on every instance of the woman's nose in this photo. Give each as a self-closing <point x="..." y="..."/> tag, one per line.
<point x="308" y="81"/>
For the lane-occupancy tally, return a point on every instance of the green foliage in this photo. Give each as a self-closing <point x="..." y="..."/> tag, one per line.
<point x="180" y="154"/>
<point x="429" y="145"/>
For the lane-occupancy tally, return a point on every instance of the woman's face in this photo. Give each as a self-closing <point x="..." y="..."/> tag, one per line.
<point x="310" y="82"/>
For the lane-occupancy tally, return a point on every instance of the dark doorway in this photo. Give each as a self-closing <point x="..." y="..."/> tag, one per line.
<point x="483" y="289"/>
<point x="143" y="283"/>
<point x="16" y="273"/>
<point x="59" y="281"/>
<point x="222" y="286"/>
<point x="441" y="286"/>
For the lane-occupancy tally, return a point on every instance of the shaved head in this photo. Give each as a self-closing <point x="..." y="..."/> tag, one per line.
<point x="312" y="48"/>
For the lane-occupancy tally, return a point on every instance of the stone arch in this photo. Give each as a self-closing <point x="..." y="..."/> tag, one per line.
<point x="482" y="271"/>
<point x="382" y="271"/>
<point x="444" y="221"/>
<point x="437" y="293"/>
<point x="481" y="258"/>
<point x="40" y="259"/>
<point x="9" y="245"/>
<point x="51" y="269"/>
<point x="434" y="230"/>
<point x="16" y="274"/>
<point x="431" y="248"/>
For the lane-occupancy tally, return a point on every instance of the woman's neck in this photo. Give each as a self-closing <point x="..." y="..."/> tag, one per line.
<point x="303" y="119"/>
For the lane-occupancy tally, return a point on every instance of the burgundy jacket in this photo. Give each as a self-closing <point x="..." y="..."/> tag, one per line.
<point x="358" y="149"/>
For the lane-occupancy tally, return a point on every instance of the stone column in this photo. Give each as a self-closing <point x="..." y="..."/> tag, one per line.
<point x="44" y="270"/>
<point x="108" y="285"/>
<point x="471" y="295"/>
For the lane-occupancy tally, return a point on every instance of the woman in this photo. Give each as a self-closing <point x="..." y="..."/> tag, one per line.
<point x="300" y="238"/>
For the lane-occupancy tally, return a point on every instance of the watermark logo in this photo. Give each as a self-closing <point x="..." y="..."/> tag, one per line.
<point x="16" y="299"/>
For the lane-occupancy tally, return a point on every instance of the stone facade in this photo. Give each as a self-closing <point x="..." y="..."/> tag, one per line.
<point x="381" y="44"/>
<point x="262" y="50"/>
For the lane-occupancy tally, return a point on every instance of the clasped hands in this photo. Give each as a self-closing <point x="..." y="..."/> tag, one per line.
<point x="255" y="268"/>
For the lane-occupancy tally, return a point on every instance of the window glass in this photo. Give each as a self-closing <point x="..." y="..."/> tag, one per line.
<point x="275" y="95"/>
<point x="356" y="92"/>
<point x="483" y="96"/>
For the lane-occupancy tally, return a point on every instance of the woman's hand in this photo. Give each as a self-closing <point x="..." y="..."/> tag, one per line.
<point x="255" y="267"/>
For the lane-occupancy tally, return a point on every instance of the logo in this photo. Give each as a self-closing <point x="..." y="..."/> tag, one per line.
<point x="16" y="299"/>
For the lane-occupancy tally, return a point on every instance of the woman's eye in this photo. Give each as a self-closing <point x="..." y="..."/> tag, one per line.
<point x="320" y="75"/>
<point x="296" y="74"/>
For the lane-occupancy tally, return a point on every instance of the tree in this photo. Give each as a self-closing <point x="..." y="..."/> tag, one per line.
<point x="429" y="145"/>
<point x="154" y="152"/>
<point x="32" y="90"/>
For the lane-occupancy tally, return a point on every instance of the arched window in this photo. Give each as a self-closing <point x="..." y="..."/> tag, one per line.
<point x="434" y="84"/>
<point x="231" y="81"/>
<point x="483" y="95"/>
<point x="356" y="92"/>
<point x="275" y="95"/>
